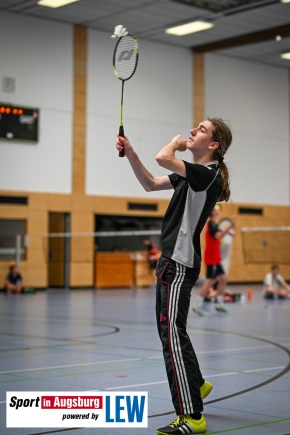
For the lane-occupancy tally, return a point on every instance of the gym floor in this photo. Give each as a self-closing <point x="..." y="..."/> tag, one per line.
<point x="106" y="340"/>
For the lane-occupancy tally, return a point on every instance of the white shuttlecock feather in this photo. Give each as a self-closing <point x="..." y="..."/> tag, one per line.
<point x="119" y="31"/>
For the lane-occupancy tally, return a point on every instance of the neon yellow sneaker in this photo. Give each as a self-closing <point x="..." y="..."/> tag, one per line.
<point x="184" y="424"/>
<point x="205" y="389"/>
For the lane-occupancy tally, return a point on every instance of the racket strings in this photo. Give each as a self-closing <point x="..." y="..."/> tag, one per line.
<point x="125" y="58"/>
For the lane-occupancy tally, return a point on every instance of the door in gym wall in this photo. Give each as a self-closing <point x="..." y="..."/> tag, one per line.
<point x="58" y="250"/>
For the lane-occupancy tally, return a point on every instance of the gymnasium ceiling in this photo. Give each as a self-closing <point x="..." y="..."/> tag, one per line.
<point x="252" y="30"/>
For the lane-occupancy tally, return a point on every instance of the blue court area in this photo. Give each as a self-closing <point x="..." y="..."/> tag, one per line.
<point x="106" y="340"/>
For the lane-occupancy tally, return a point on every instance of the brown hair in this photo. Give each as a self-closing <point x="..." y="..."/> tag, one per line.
<point x="222" y="134"/>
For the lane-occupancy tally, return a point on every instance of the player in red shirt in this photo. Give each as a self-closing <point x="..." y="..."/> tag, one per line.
<point x="212" y="258"/>
<point x="153" y="256"/>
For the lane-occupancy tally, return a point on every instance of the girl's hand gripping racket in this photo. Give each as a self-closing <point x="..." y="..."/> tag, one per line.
<point x="125" y="60"/>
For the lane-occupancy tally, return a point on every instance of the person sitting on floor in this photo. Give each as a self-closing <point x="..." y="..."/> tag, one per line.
<point x="14" y="280"/>
<point x="275" y="285"/>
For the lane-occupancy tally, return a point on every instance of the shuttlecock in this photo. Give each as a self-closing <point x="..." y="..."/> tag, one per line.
<point x="119" y="31"/>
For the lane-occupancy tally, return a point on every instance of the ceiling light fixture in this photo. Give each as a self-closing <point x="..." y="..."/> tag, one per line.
<point x="186" y="29"/>
<point x="285" y="1"/>
<point x="286" y="56"/>
<point x="55" y="3"/>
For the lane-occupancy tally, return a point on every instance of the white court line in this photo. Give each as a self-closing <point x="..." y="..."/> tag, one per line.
<point x="206" y="376"/>
<point x="237" y="349"/>
<point x="164" y="382"/>
<point x="234" y="349"/>
<point x="39" y="369"/>
<point x="261" y="370"/>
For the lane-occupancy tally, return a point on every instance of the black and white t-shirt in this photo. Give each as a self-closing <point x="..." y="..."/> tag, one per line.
<point x="192" y="202"/>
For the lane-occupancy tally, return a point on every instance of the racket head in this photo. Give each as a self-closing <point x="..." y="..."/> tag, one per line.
<point x="125" y="57"/>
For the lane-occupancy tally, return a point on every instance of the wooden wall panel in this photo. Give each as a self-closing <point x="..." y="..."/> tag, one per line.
<point x="114" y="269"/>
<point x="119" y="205"/>
<point x="58" y="202"/>
<point x="198" y="88"/>
<point x="80" y="101"/>
<point x="81" y="275"/>
<point x="55" y="250"/>
<point x="142" y="272"/>
<point x="38" y="201"/>
<point x="82" y="247"/>
<point x="83" y="210"/>
<point x="13" y="212"/>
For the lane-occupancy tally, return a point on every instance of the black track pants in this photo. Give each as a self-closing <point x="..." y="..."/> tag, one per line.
<point x="173" y="291"/>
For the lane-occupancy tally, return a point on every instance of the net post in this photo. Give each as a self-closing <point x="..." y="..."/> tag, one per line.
<point x="18" y="250"/>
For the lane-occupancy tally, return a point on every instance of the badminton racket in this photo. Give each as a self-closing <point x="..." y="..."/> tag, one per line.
<point x="125" y="61"/>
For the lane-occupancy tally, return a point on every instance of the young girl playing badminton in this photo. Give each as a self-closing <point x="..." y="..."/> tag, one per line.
<point x="197" y="187"/>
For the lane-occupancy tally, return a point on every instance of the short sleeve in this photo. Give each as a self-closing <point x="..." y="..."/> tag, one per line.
<point x="280" y="279"/>
<point x="212" y="228"/>
<point x="268" y="279"/>
<point x="175" y="179"/>
<point x="199" y="176"/>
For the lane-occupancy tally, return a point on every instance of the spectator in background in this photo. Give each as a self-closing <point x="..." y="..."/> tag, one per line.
<point x="275" y="285"/>
<point x="14" y="280"/>
<point x="153" y="256"/>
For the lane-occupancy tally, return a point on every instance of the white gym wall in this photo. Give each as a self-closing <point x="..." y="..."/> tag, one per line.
<point x="39" y="55"/>
<point x="158" y="104"/>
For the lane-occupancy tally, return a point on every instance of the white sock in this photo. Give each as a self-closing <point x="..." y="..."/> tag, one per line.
<point x="220" y="299"/>
<point x="198" y="301"/>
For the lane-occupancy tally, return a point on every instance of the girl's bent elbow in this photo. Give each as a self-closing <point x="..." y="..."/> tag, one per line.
<point x="151" y="187"/>
<point x="159" y="159"/>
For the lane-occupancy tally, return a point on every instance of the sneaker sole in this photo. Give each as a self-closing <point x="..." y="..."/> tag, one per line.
<point x="197" y="426"/>
<point x="189" y="433"/>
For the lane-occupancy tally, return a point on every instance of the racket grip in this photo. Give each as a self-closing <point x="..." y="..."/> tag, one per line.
<point x="121" y="133"/>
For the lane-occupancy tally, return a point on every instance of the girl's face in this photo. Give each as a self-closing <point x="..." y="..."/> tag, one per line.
<point x="201" y="137"/>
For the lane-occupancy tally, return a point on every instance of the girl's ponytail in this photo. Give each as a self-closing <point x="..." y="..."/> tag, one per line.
<point x="222" y="134"/>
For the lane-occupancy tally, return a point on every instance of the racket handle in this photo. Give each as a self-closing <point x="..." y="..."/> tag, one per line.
<point x="121" y="133"/>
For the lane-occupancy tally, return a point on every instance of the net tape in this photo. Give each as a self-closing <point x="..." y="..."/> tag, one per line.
<point x="261" y="229"/>
<point x="106" y="234"/>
